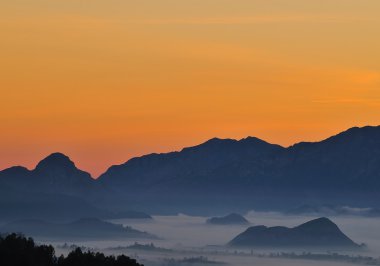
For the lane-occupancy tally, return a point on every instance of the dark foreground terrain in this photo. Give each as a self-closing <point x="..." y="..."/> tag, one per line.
<point x="17" y="250"/>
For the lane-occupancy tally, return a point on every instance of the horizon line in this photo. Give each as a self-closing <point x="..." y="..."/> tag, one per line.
<point x="180" y="150"/>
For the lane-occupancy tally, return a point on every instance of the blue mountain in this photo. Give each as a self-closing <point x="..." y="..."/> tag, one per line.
<point x="223" y="174"/>
<point x="343" y="169"/>
<point x="320" y="232"/>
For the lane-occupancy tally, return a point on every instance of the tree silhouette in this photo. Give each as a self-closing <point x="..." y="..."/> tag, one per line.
<point x="17" y="250"/>
<point x="20" y="251"/>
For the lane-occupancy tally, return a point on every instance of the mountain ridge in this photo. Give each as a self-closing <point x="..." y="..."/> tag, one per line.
<point x="215" y="139"/>
<point x="342" y="169"/>
<point x="293" y="151"/>
<point x="84" y="228"/>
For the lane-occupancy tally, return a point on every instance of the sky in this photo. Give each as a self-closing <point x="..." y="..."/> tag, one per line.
<point x="106" y="80"/>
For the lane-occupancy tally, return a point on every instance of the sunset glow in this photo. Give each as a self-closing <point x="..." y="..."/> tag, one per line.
<point x="106" y="80"/>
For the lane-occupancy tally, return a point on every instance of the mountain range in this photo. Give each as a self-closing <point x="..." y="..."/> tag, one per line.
<point x="220" y="173"/>
<point x="85" y="228"/>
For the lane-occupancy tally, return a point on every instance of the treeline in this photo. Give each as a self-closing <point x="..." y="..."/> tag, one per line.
<point x="17" y="250"/>
<point x="364" y="260"/>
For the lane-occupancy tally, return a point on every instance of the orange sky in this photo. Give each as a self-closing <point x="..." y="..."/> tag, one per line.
<point x="105" y="80"/>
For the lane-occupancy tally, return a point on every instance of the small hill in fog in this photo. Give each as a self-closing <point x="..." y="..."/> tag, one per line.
<point x="320" y="232"/>
<point x="89" y="228"/>
<point x="230" y="219"/>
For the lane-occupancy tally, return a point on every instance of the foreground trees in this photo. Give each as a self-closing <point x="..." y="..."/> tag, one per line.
<point x="79" y="258"/>
<point x="17" y="250"/>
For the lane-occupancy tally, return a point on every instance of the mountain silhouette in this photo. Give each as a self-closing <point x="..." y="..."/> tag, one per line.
<point x="58" y="173"/>
<point x="320" y="232"/>
<point x="198" y="163"/>
<point x="82" y="228"/>
<point x="55" y="190"/>
<point x="54" y="174"/>
<point x="58" y="165"/>
<point x="229" y="219"/>
<point x="224" y="173"/>
<point x="344" y="161"/>
<point x="343" y="169"/>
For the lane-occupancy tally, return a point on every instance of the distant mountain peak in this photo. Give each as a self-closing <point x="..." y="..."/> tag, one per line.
<point x="215" y="139"/>
<point x="55" y="160"/>
<point x="227" y="143"/>
<point x="249" y="139"/>
<point x="15" y="169"/>
<point x="321" y="220"/>
<point x="257" y="141"/>
<point x="351" y="134"/>
<point x="57" y="156"/>
<point x="362" y="128"/>
<point x="319" y="223"/>
<point x="218" y="141"/>
<point x="60" y="171"/>
<point x="358" y="132"/>
<point x="229" y="219"/>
